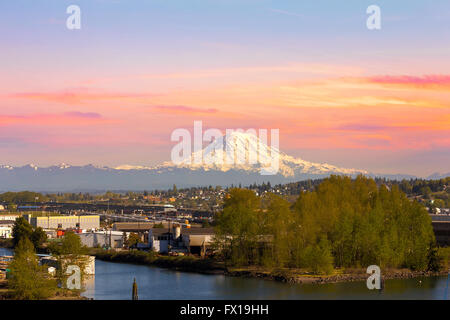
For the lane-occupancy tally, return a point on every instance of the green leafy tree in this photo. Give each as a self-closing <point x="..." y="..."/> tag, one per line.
<point x="277" y="223"/>
<point x="38" y="237"/>
<point x="341" y="222"/>
<point x="29" y="280"/>
<point x="238" y="226"/>
<point x="22" y="229"/>
<point x="318" y="257"/>
<point x="434" y="259"/>
<point x="133" y="240"/>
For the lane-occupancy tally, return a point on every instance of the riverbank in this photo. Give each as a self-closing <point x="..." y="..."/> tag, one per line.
<point x="59" y="294"/>
<point x="179" y="263"/>
<point x="6" y="243"/>
<point x="299" y="276"/>
<point x="288" y="275"/>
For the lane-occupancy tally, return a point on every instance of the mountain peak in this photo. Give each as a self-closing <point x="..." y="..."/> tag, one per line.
<point x="64" y="166"/>
<point x="246" y="151"/>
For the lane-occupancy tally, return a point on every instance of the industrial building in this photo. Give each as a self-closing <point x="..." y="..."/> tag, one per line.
<point x="65" y="222"/>
<point x="165" y="208"/>
<point x="177" y="239"/>
<point x="441" y="228"/>
<point x="110" y="239"/>
<point x="11" y="217"/>
<point x="132" y="226"/>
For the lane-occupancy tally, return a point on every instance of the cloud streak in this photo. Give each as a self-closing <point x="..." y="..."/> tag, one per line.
<point x="73" y="118"/>
<point x="426" y="81"/>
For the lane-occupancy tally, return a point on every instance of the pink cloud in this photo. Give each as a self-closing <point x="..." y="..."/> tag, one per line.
<point x="79" y="96"/>
<point x="425" y="81"/>
<point x="88" y="115"/>
<point x="70" y="118"/>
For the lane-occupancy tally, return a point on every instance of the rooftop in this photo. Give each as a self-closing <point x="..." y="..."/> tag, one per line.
<point x="186" y="231"/>
<point x="124" y="226"/>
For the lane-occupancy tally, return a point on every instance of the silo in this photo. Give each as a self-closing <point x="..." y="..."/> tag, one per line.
<point x="176" y="231"/>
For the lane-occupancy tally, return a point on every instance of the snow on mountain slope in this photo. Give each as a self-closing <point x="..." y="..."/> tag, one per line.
<point x="244" y="146"/>
<point x="185" y="174"/>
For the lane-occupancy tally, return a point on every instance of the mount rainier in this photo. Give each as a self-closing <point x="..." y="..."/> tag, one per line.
<point x="186" y="174"/>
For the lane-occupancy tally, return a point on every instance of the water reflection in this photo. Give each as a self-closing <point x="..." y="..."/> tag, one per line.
<point x="6" y="252"/>
<point x="114" y="281"/>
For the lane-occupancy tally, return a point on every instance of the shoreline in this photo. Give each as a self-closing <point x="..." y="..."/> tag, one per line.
<point x="291" y="276"/>
<point x="6" y="244"/>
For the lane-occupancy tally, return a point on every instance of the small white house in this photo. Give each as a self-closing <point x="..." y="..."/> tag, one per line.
<point x="6" y="227"/>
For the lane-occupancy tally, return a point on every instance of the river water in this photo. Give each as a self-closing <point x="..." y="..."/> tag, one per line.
<point x="113" y="281"/>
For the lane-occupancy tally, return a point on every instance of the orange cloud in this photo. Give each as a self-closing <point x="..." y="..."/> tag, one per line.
<point x="436" y="82"/>
<point x="80" y="96"/>
<point x="379" y="112"/>
<point x="184" y="110"/>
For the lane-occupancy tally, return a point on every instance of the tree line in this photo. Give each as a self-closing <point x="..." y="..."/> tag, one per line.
<point x="342" y="222"/>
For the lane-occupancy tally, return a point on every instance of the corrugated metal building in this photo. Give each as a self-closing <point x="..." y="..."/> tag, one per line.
<point x="113" y="239"/>
<point x="132" y="226"/>
<point x="66" y="222"/>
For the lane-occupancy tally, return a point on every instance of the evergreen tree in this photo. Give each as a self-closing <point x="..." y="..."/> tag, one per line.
<point x="29" y="280"/>
<point x="21" y="230"/>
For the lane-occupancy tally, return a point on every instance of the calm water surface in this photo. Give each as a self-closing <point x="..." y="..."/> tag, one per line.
<point x="113" y="281"/>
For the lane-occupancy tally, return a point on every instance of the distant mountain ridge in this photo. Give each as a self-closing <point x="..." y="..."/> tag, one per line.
<point x="65" y="178"/>
<point x="437" y="176"/>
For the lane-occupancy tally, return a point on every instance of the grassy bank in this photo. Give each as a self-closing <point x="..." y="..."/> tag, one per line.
<point x="59" y="294"/>
<point x="181" y="263"/>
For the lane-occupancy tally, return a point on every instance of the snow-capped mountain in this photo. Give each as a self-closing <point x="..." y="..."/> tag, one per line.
<point x="206" y="171"/>
<point x="244" y="146"/>
<point x="437" y="176"/>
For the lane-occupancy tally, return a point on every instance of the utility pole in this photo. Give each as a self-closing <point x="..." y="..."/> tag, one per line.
<point x="134" y="293"/>
<point x="446" y="287"/>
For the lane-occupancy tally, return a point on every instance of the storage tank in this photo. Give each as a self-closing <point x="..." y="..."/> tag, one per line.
<point x="176" y="231"/>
